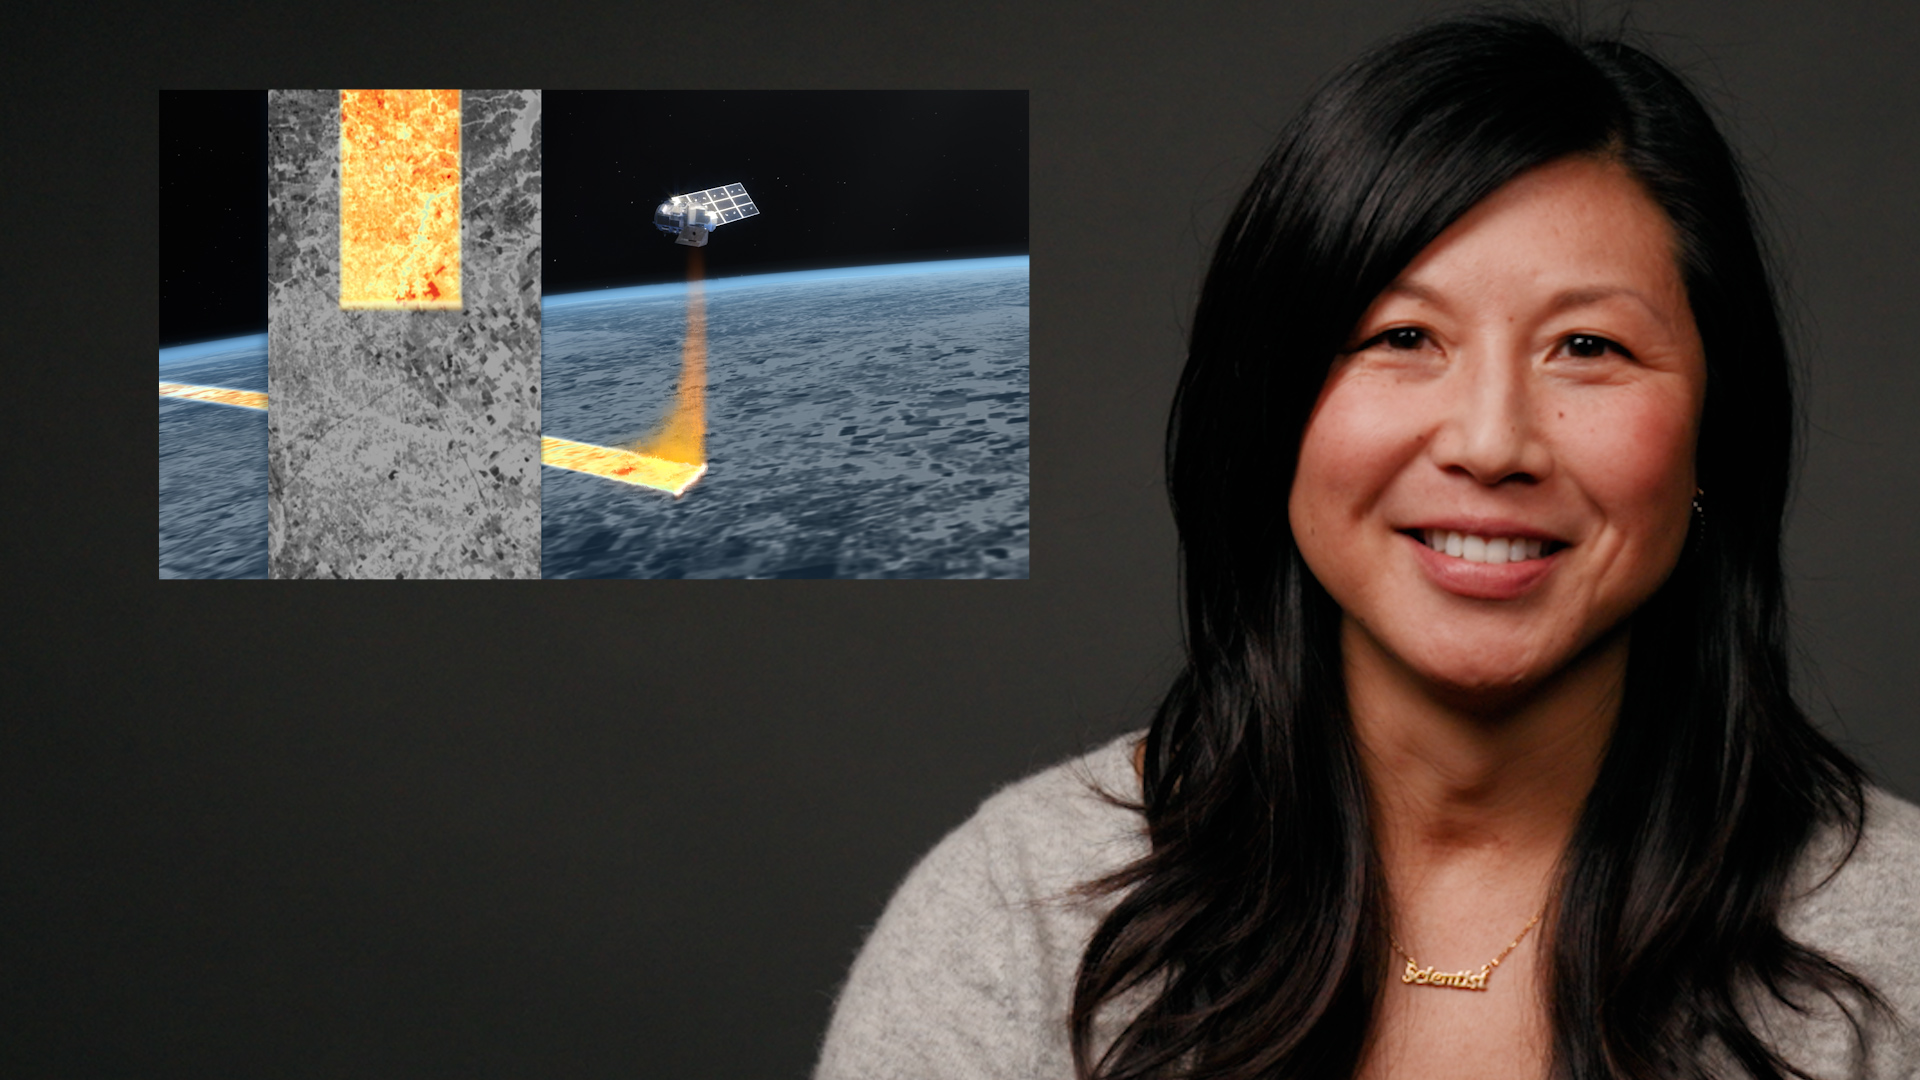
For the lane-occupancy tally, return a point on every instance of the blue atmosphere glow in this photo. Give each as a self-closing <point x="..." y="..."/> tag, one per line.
<point x="181" y="353"/>
<point x="714" y="285"/>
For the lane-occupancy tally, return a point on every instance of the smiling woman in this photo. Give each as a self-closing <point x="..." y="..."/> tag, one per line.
<point x="1485" y="347"/>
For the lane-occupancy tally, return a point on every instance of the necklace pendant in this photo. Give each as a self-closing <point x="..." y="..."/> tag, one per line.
<point x="1456" y="980"/>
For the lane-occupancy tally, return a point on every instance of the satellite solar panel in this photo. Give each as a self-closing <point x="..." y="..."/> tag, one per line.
<point x="728" y="202"/>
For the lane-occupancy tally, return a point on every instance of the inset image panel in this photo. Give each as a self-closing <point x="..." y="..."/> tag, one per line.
<point x="213" y="334"/>
<point x="404" y="443"/>
<point x="789" y="342"/>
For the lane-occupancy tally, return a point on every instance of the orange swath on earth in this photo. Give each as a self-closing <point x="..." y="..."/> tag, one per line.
<point x="683" y="435"/>
<point x="219" y="395"/>
<point x="672" y="477"/>
<point x="400" y="199"/>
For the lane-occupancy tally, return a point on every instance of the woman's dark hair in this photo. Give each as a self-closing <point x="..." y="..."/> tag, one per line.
<point x="1255" y="929"/>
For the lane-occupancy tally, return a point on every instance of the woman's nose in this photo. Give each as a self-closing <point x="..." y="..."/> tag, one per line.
<point x="1488" y="429"/>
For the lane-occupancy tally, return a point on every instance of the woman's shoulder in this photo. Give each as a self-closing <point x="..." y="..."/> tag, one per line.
<point x="1064" y="825"/>
<point x="969" y="972"/>
<point x="1039" y="839"/>
<point x="1871" y="889"/>
<point x="1859" y="906"/>
<point x="1890" y="842"/>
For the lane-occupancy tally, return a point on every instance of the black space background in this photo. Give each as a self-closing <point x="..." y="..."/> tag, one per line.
<point x="842" y="178"/>
<point x="213" y="214"/>
<point x="638" y="828"/>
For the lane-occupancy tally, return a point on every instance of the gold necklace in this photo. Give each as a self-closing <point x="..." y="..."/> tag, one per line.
<point x="1458" y="980"/>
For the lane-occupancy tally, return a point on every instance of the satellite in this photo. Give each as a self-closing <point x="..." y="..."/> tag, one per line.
<point x="689" y="218"/>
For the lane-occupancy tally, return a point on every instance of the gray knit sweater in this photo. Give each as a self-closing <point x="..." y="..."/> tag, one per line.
<point x="970" y="971"/>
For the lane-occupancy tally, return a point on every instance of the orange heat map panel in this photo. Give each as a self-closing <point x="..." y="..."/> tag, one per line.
<point x="219" y="395"/>
<point x="400" y="199"/>
<point x="674" y="477"/>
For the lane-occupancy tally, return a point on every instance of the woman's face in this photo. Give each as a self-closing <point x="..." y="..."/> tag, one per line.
<point x="1500" y="468"/>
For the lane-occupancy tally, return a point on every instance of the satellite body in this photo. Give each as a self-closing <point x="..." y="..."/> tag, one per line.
<point x="691" y="218"/>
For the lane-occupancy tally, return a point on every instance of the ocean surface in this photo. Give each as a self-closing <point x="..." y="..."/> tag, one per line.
<point x="213" y="464"/>
<point x="861" y="424"/>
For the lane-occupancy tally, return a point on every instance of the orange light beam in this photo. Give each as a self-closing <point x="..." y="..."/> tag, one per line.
<point x="217" y="395"/>
<point x="400" y="199"/>
<point x="682" y="436"/>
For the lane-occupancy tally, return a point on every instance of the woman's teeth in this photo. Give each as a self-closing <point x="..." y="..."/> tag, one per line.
<point x="1481" y="549"/>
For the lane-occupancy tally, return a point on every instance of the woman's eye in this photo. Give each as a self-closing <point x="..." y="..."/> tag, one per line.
<point x="1403" y="337"/>
<point x="1592" y="346"/>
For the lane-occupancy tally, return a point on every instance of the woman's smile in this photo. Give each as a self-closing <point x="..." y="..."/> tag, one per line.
<point x="1482" y="578"/>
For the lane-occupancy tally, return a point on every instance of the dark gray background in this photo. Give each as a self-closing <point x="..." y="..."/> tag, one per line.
<point x="636" y="828"/>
